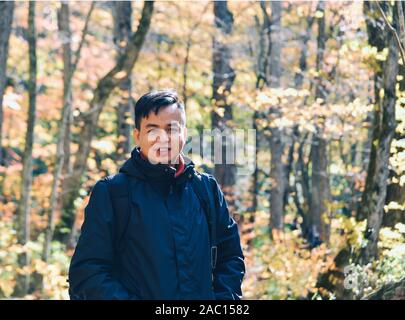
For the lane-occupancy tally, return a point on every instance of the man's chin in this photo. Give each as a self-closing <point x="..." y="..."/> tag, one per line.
<point x="165" y="160"/>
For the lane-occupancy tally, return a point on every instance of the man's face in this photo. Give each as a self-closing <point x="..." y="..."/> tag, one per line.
<point x="161" y="137"/>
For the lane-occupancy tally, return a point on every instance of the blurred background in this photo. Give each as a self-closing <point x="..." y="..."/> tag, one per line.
<point x="321" y="215"/>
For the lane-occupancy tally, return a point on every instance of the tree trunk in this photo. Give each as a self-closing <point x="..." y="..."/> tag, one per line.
<point x="375" y="192"/>
<point x="69" y="68"/>
<point x="333" y="279"/>
<point x="122" y="14"/>
<point x="221" y="115"/>
<point x="278" y="183"/>
<point x="263" y="30"/>
<point x="264" y="47"/>
<point x="389" y="291"/>
<point x="187" y="57"/>
<point x="299" y="76"/>
<point x="376" y="38"/>
<point x="64" y="29"/>
<point x="288" y="170"/>
<point x="302" y="199"/>
<point x="88" y="120"/>
<point x="255" y="178"/>
<point x="274" y="70"/>
<point x="23" y="281"/>
<point x="273" y="77"/>
<point x="319" y="214"/>
<point x="396" y="192"/>
<point x="6" y="19"/>
<point x="302" y="196"/>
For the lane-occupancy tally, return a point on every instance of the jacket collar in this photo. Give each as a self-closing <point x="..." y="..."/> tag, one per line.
<point x="161" y="176"/>
<point x="179" y="166"/>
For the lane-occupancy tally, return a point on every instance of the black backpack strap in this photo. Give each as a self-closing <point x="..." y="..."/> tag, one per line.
<point x="203" y="188"/>
<point x="118" y="187"/>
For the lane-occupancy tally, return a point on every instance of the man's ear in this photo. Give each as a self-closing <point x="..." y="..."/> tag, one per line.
<point x="136" y="136"/>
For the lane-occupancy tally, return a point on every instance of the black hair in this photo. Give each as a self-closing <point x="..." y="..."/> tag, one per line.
<point x="153" y="101"/>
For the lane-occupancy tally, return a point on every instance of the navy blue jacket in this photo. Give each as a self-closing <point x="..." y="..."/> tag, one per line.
<point x="166" y="251"/>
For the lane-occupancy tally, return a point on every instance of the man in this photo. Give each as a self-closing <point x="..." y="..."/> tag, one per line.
<point x="146" y="234"/>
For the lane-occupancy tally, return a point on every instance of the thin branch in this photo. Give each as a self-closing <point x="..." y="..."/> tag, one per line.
<point x="401" y="18"/>
<point x="60" y="156"/>
<point x="392" y="29"/>
<point x="188" y="48"/>
<point x="84" y="33"/>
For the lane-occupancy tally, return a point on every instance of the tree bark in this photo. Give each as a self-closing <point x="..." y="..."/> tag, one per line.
<point x="268" y="73"/>
<point x="255" y="178"/>
<point x="263" y="30"/>
<point x="319" y="214"/>
<point x="396" y="192"/>
<point x="278" y="183"/>
<point x="69" y="68"/>
<point x="23" y="281"/>
<point x="264" y="47"/>
<point x="302" y="200"/>
<point x="6" y="19"/>
<point x="88" y="120"/>
<point x="299" y="76"/>
<point x="389" y="291"/>
<point x="375" y="192"/>
<point x="224" y="76"/>
<point x="186" y="62"/>
<point x="273" y="78"/>
<point x="122" y="14"/>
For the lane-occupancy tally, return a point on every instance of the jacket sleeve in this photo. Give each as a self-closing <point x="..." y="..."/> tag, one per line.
<point x="230" y="266"/>
<point x="90" y="271"/>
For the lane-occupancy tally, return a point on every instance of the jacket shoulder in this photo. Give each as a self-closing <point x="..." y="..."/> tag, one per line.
<point x="117" y="184"/>
<point x="205" y="175"/>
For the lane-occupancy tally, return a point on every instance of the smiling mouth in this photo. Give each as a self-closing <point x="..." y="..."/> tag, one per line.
<point x="163" y="151"/>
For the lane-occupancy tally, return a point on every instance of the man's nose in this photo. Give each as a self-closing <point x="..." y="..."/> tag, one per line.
<point x="163" y="136"/>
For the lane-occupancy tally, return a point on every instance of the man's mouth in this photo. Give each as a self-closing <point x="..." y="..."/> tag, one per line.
<point x="164" y="151"/>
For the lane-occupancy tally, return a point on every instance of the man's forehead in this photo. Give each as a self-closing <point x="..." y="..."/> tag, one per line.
<point x="152" y="123"/>
<point x="171" y="115"/>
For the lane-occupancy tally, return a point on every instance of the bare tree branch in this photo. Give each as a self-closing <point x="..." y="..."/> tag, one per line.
<point x="392" y="29"/>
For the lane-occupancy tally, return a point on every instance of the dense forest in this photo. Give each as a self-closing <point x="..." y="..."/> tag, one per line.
<point x="319" y="190"/>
